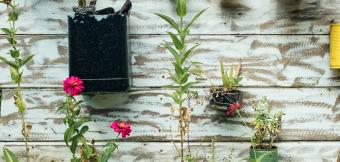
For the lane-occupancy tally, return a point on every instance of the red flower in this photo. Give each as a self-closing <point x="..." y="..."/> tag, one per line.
<point x="232" y="108"/>
<point x="121" y="128"/>
<point x="73" y="86"/>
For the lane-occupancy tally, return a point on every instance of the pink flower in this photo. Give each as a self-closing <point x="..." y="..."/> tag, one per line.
<point x="73" y="86"/>
<point x="232" y="108"/>
<point x="121" y="128"/>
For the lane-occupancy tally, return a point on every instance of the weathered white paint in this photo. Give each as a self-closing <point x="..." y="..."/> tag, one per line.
<point x="274" y="65"/>
<point x="311" y="114"/>
<point x="222" y="17"/>
<point x="298" y="61"/>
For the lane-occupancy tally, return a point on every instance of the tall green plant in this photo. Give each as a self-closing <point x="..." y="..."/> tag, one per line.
<point x="16" y="63"/>
<point x="183" y="68"/>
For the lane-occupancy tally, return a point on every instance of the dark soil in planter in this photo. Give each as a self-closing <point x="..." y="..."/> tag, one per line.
<point x="223" y="99"/>
<point x="269" y="155"/>
<point x="98" y="49"/>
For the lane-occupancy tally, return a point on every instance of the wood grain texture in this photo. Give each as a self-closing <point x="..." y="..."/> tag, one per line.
<point x="311" y="114"/>
<point x="222" y="17"/>
<point x="287" y="61"/>
<point x="165" y="152"/>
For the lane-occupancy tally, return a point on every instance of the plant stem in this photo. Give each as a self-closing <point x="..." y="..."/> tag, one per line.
<point x="25" y="135"/>
<point x="251" y="138"/>
<point x="24" y="130"/>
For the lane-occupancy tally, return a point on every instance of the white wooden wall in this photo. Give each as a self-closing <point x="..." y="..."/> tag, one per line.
<point x="282" y="44"/>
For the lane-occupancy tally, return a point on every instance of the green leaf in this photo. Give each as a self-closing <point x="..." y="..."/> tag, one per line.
<point x="175" y="78"/>
<point x="14" y="74"/>
<point x="231" y="73"/>
<point x="8" y="62"/>
<point x="173" y="52"/>
<point x="13" y="16"/>
<point x="68" y="134"/>
<point x="108" y="150"/>
<point x="184" y="78"/>
<point x="70" y="121"/>
<point x="176" y="98"/>
<point x="28" y="58"/>
<point x="169" y="20"/>
<point x="74" y="144"/>
<point x="181" y="8"/>
<point x="178" y="69"/>
<point x="187" y="86"/>
<point x="75" y="107"/>
<point x="11" y="41"/>
<point x="19" y="102"/>
<point x="6" y="31"/>
<point x="9" y="156"/>
<point x="62" y="108"/>
<point x="169" y="87"/>
<point x="84" y="129"/>
<point x="75" y="159"/>
<point x="176" y="41"/>
<point x="188" y="53"/>
<point x="81" y="121"/>
<point x="88" y="151"/>
<point x="194" y="19"/>
<point x="15" y="53"/>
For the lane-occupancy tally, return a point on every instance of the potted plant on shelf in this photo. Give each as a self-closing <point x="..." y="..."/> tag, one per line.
<point x="267" y="128"/>
<point x="98" y="46"/>
<point x="223" y="97"/>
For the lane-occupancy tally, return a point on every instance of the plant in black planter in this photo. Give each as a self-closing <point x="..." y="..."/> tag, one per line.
<point x="98" y="46"/>
<point x="267" y="128"/>
<point x="227" y="95"/>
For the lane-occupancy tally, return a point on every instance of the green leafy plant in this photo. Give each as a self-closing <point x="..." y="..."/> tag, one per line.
<point x="267" y="126"/>
<point x="74" y="135"/>
<point x="15" y="64"/>
<point x="182" y="66"/>
<point x="232" y="79"/>
<point x="77" y="128"/>
<point x="9" y="156"/>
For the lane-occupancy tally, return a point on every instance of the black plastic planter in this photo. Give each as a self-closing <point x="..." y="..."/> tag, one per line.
<point x="98" y="49"/>
<point x="222" y="99"/>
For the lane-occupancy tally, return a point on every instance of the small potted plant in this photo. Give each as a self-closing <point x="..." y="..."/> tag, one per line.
<point x="98" y="46"/>
<point x="267" y="127"/>
<point x="227" y="95"/>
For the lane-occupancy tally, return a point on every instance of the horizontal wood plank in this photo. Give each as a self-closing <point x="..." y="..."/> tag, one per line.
<point x="165" y="152"/>
<point x="222" y="17"/>
<point x="311" y="114"/>
<point x="288" y="61"/>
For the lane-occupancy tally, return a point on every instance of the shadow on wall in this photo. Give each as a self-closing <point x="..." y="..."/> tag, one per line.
<point x="233" y="8"/>
<point x="299" y="10"/>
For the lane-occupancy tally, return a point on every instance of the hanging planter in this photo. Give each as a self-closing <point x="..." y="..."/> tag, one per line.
<point x="98" y="47"/>
<point x="221" y="98"/>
